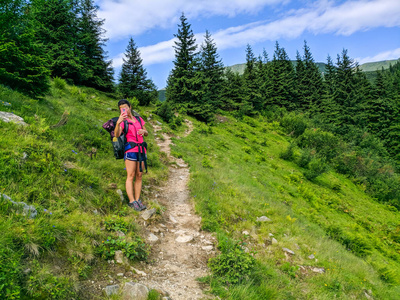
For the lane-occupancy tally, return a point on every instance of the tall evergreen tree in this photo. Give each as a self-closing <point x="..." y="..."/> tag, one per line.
<point x="90" y="43"/>
<point x="58" y="31"/>
<point x="252" y="84"/>
<point x="22" y="59"/>
<point x="213" y="70"/>
<point x="133" y="81"/>
<point x="282" y="80"/>
<point x="180" y="85"/>
<point x="233" y="91"/>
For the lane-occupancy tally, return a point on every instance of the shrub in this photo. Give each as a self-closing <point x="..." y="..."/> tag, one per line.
<point x="316" y="167"/>
<point x="233" y="265"/>
<point x="325" y="143"/>
<point x="134" y="102"/>
<point x="305" y="157"/>
<point x="165" y="112"/>
<point x="206" y="163"/>
<point x="59" y="83"/>
<point x="116" y="223"/>
<point x="294" y="124"/>
<point x="10" y="273"/>
<point x="134" y="250"/>
<point x="288" y="154"/>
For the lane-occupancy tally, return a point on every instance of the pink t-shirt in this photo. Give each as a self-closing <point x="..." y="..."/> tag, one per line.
<point x="132" y="135"/>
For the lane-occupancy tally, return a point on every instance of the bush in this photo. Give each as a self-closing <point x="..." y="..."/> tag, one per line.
<point x="134" y="250"/>
<point x="59" y="83"/>
<point x="316" y="167"/>
<point x="233" y="265"/>
<point x="165" y="112"/>
<point x="289" y="153"/>
<point x="294" y="124"/>
<point x="116" y="223"/>
<point x="305" y="158"/>
<point x="325" y="143"/>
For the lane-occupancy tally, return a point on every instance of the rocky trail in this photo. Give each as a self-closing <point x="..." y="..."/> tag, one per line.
<point x="180" y="250"/>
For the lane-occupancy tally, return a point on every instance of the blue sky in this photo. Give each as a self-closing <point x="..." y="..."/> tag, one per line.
<point x="369" y="29"/>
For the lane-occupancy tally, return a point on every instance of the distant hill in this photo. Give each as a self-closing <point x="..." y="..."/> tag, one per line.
<point x="367" y="67"/>
<point x="161" y="95"/>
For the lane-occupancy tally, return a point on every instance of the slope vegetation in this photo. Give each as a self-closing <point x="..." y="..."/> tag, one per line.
<point x="343" y="244"/>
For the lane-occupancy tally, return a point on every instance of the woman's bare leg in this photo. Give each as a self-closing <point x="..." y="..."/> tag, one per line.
<point x="130" y="175"/>
<point x="138" y="181"/>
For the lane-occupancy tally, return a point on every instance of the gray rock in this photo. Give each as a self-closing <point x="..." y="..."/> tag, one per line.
<point x="119" y="233"/>
<point x="134" y="291"/>
<point x="120" y="274"/>
<point x="288" y="251"/>
<point x="173" y="220"/>
<point x="147" y="214"/>
<point x="318" y="270"/>
<point x="27" y="210"/>
<point x="263" y="219"/>
<point x="111" y="290"/>
<point x="152" y="238"/>
<point x="141" y="273"/>
<point x="95" y="212"/>
<point x="274" y="241"/>
<point x="207" y="248"/>
<point x="184" y="238"/>
<point x="270" y="234"/>
<point x="10" y="117"/>
<point x="158" y="122"/>
<point x="119" y="257"/>
<point x="121" y="195"/>
<point x="311" y="256"/>
<point x="245" y="232"/>
<point x="24" y="155"/>
<point x="166" y="298"/>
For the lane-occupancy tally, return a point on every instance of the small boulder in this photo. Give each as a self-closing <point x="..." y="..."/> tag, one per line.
<point x="119" y="233"/>
<point x="311" y="256"/>
<point x="245" y="232"/>
<point x="135" y="291"/>
<point x="184" y="238"/>
<point x="286" y="250"/>
<point x="274" y="241"/>
<point x="318" y="270"/>
<point x="111" y="290"/>
<point x="147" y="214"/>
<point x="141" y="273"/>
<point x="263" y="219"/>
<point x="10" y="117"/>
<point x="119" y="257"/>
<point x="121" y="195"/>
<point x="207" y="248"/>
<point x="152" y="238"/>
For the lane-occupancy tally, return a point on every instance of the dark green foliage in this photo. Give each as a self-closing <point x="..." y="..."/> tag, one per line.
<point x="10" y="272"/>
<point x="252" y="83"/>
<point x="289" y="154"/>
<point x="316" y="167"/>
<point x="22" y="57"/>
<point x="133" y="81"/>
<point x="135" y="249"/>
<point x="165" y="112"/>
<point x="233" y="265"/>
<point x="294" y="124"/>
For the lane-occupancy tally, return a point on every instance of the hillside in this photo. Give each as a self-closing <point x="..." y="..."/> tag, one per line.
<point x="62" y="165"/>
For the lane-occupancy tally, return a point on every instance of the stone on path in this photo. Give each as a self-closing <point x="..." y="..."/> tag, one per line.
<point x="263" y="219"/>
<point x="207" y="248"/>
<point x="288" y="251"/>
<point x="135" y="291"/>
<point x="111" y="290"/>
<point x="152" y="238"/>
<point x="148" y="213"/>
<point x="184" y="238"/>
<point x="274" y="241"/>
<point x="173" y="220"/>
<point x="120" y="257"/>
<point x="10" y="117"/>
<point x="311" y="256"/>
<point x="141" y="273"/>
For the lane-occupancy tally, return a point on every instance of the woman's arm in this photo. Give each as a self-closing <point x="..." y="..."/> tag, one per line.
<point x="143" y="131"/>
<point x="118" y="129"/>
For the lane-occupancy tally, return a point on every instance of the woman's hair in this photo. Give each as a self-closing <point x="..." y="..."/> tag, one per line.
<point x="122" y="102"/>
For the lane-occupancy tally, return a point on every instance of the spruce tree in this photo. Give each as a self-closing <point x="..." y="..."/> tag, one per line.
<point x="180" y="86"/>
<point x="282" y="80"/>
<point x="90" y="43"/>
<point x="252" y="84"/>
<point x="133" y="81"/>
<point x="22" y="58"/>
<point x="233" y="95"/>
<point x="58" y="31"/>
<point x="213" y="70"/>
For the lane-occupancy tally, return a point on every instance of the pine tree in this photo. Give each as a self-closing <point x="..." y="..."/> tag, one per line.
<point x="58" y="31"/>
<point x="252" y="84"/>
<point x="133" y="81"/>
<point x="233" y="91"/>
<point x="213" y="70"/>
<point x="264" y="78"/>
<point x="98" y="71"/>
<point x="22" y="59"/>
<point x="180" y="81"/>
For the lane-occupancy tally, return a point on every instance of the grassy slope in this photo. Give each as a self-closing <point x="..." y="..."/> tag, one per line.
<point x="247" y="179"/>
<point x="62" y="246"/>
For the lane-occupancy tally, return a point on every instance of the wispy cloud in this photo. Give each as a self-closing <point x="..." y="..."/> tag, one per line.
<point x="386" y="55"/>
<point x="134" y="17"/>
<point x="321" y="17"/>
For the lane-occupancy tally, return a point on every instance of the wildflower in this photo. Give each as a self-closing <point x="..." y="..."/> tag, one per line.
<point x="326" y="284"/>
<point x="51" y="213"/>
<point x="65" y="170"/>
<point x="55" y="227"/>
<point x="45" y="209"/>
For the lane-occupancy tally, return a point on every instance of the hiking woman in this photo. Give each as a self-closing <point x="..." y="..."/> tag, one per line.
<point x="135" y="134"/>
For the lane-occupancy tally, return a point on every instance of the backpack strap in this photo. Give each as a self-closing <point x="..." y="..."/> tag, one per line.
<point x="140" y="122"/>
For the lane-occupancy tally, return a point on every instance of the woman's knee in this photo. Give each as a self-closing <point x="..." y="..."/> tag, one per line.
<point x="139" y="176"/>
<point x="130" y="176"/>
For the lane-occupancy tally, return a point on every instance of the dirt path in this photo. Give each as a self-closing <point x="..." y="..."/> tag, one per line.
<point x="182" y="251"/>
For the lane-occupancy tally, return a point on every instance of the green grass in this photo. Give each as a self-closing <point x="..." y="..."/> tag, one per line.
<point x="50" y="168"/>
<point x="237" y="175"/>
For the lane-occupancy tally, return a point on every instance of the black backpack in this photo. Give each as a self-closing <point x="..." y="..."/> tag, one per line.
<point x="120" y="143"/>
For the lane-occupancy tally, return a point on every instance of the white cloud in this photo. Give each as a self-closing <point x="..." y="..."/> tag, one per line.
<point x="321" y="17"/>
<point x="133" y="17"/>
<point x="386" y="55"/>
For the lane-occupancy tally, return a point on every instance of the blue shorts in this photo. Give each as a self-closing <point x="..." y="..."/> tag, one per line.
<point x="133" y="156"/>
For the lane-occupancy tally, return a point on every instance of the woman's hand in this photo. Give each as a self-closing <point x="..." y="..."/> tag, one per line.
<point x="122" y="118"/>
<point x="142" y="132"/>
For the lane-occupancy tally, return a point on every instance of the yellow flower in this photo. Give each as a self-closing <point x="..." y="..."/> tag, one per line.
<point x="326" y="284"/>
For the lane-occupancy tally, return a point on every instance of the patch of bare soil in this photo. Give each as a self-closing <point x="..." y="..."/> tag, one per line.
<point x="182" y="250"/>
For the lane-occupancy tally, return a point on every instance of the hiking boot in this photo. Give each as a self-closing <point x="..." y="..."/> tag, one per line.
<point x="134" y="205"/>
<point x="141" y="205"/>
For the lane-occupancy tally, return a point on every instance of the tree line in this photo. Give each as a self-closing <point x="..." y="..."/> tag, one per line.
<point x="341" y="99"/>
<point x="40" y="39"/>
